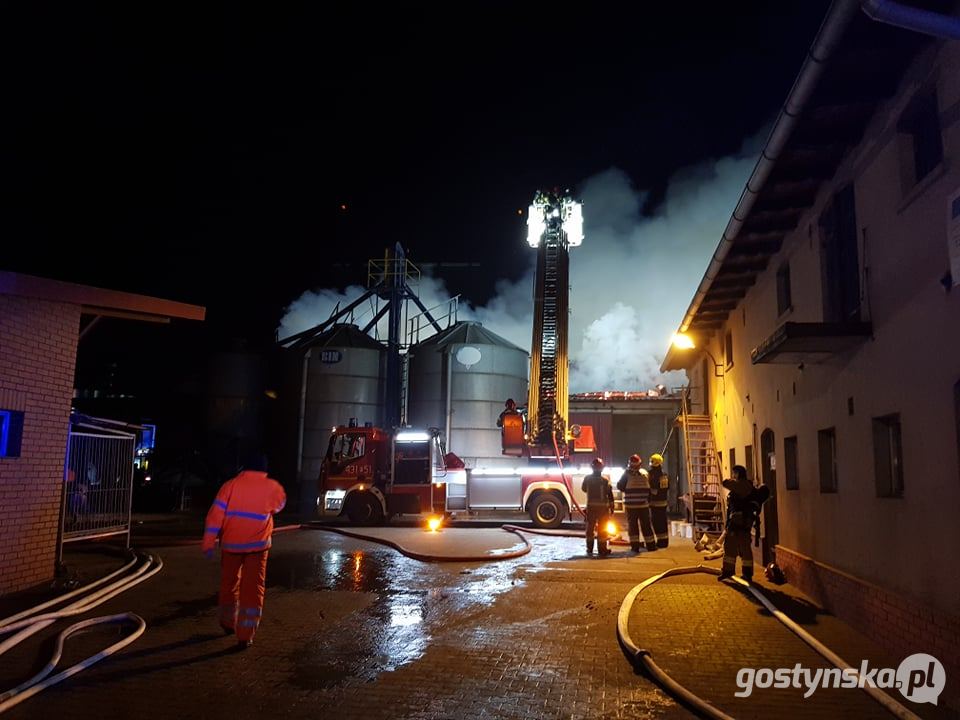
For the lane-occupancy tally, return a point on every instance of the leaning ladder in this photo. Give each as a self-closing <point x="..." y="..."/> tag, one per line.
<point x="704" y="497"/>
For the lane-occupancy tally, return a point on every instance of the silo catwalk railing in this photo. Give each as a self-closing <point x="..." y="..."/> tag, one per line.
<point x="421" y="321"/>
<point x="98" y="483"/>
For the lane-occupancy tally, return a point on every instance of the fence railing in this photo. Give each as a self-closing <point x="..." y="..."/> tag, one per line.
<point x="98" y="483"/>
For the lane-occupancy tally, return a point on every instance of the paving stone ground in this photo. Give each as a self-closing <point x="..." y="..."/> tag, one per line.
<point x="354" y="630"/>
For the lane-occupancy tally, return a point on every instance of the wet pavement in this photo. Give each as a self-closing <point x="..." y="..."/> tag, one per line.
<point x="353" y="629"/>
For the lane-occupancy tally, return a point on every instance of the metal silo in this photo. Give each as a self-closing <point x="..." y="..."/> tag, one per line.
<point x="342" y="378"/>
<point x="458" y="382"/>
<point x="233" y="408"/>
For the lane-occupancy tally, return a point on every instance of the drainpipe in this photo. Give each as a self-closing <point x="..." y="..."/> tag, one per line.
<point x="303" y="413"/>
<point x="449" y="411"/>
<point x="911" y="18"/>
<point x="825" y="44"/>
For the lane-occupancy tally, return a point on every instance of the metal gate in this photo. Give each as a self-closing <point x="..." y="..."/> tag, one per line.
<point x="98" y="482"/>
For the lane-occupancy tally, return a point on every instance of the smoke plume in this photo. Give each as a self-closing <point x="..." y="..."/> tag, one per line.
<point x="631" y="280"/>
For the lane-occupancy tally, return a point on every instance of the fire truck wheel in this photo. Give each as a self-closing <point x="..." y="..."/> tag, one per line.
<point x="547" y="510"/>
<point x="364" y="509"/>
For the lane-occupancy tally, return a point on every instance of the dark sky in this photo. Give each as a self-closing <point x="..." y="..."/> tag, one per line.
<point x="203" y="155"/>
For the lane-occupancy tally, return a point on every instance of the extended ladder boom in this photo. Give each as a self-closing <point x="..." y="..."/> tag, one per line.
<point x="555" y="224"/>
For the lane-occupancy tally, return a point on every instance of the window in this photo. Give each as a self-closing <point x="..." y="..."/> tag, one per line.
<point x="784" y="299"/>
<point x="733" y="459"/>
<point x="827" y="445"/>
<point x="346" y="447"/>
<point x="888" y="456"/>
<point x="728" y="349"/>
<point x="412" y="464"/>
<point x="922" y="149"/>
<point x="11" y="433"/>
<point x="790" y="462"/>
<point x="839" y="259"/>
<point x="748" y="461"/>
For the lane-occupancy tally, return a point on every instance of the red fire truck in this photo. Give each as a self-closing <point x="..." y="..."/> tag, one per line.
<point x="405" y="472"/>
<point x="370" y="474"/>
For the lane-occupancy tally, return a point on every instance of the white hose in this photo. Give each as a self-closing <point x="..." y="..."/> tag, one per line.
<point x="876" y="693"/>
<point x="644" y="657"/>
<point x="29" y="623"/>
<point x="702" y="705"/>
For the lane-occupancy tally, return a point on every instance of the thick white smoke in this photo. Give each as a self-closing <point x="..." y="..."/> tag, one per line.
<point x="509" y="313"/>
<point x="631" y="280"/>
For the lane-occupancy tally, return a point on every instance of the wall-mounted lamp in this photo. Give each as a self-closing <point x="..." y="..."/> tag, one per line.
<point x="682" y="341"/>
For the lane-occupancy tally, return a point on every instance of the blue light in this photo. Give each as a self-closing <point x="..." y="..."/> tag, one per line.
<point x="4" y="431"/>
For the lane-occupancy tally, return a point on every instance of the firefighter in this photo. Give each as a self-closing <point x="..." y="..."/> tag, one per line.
<point x="242" y="517"/>
<point x="659" y="487"/>
<point x="599" y="507"/>
<point x="509" y="408"/>
<point x="635" y="486"/>
<point x="743" y="513"/>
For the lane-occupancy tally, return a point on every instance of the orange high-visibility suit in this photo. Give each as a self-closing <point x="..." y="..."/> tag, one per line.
<point x="242" y="517"/>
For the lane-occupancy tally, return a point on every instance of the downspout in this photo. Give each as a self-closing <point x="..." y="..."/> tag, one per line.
<point x="825" y="44"/>
<point x="449" y="399"/>
<point x="303" y="413"/>
<point x="911" y="18"/>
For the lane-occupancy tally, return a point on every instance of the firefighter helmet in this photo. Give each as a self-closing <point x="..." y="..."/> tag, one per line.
<point x="597" y="464"/>
<point x="656" y="459"/>
<point x="774" y="574"/>
<point x="635" y="461"/>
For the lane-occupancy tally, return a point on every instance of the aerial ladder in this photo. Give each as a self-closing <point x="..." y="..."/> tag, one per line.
<point x="554" y="225"/>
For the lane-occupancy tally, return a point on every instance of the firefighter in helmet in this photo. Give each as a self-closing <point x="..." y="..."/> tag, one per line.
<point x="599" y="507"/>
<point x="659" y="485"/>
<point x="509" y="408"/>
<point x="743" y="514"/>
<point x="635" y="486"/>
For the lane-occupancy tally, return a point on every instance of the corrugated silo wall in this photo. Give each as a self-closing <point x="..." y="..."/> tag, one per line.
<point x="342" y="383"/>
<point x="480" y="378"/>
<point x="233" y="413"/>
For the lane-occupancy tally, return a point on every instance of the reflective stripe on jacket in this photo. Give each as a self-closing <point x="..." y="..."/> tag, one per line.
<point x="242" y="514"/>
<point x="659" y="486"/>
<point x="635" y="486"/>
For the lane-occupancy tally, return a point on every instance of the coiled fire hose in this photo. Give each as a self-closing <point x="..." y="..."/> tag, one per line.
<point x="28" y="623"/>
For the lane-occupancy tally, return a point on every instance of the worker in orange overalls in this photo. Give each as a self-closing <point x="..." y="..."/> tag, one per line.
<point x="242" y="517"/>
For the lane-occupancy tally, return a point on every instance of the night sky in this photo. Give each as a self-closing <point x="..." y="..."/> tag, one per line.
<point x="205" y="155"/>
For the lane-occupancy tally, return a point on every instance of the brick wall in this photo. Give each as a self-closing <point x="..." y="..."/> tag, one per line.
<point x="896" y="623"/>
<point x="38" y="346"/>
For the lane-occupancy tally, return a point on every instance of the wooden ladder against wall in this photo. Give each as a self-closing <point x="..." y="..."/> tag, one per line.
<point x="704" y="498"/>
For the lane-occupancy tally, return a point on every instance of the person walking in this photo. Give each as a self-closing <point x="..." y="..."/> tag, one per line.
<point x="242" y="518"/>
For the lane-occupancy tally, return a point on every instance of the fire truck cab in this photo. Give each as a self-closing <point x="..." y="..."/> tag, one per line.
<point x="370" y="474"/>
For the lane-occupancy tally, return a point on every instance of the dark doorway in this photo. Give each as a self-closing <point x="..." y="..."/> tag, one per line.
<point x="768" y="476"/>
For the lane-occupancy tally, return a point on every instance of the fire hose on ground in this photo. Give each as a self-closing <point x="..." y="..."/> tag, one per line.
<point x="29" y="622"/>
<point x="639" y="655"/>
<point x="423" y="557"/>
<point x="643" y="657"/>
